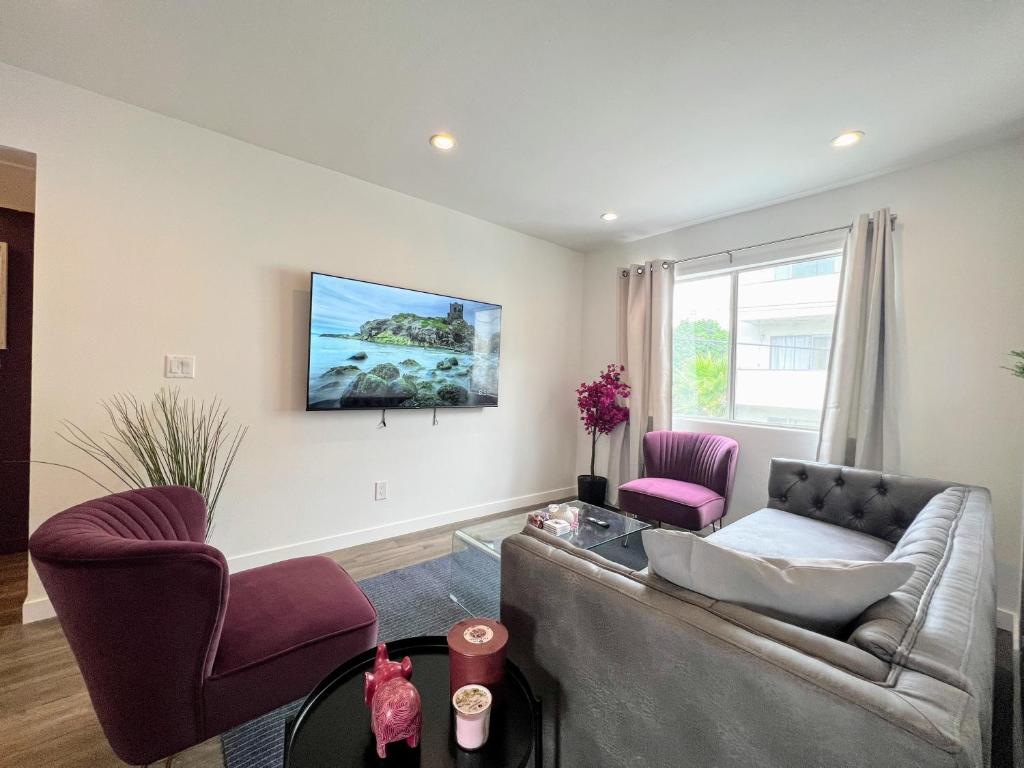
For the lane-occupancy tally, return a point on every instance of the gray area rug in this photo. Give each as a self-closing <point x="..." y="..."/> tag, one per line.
<point x="627" y="551"/>
<point x="410" y="601"/>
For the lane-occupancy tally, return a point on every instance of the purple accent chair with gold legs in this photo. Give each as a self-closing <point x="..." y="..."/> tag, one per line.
<point x="689" y="479"/>
<point x="175" y="650"/>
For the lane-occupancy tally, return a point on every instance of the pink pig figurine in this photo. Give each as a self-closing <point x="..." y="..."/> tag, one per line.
<point x="394" y="702"/>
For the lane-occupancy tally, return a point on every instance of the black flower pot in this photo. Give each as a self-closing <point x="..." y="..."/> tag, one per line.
<point x="592" y="489"/>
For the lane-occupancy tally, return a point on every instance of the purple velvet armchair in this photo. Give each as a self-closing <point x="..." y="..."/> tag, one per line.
<point x="689" y="479"/>
<point x="173" y="649"/>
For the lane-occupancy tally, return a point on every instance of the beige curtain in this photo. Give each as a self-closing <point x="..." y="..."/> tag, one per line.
<point x="645" y="348"/>
<point x="858" y="424"/>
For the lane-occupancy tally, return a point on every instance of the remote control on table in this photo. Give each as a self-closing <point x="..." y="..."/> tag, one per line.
<point x="595" y="521"/>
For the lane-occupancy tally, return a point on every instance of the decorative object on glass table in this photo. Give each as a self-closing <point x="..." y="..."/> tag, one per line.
<point x="394" y="702"/>
<point x="556" y="526"/>
<point x="570" y="514"/>
<point x="561" y="512"/>
<point x="538" y="518"/>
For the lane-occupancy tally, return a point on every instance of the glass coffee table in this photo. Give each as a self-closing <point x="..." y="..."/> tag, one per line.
<point x="476" y="551"/>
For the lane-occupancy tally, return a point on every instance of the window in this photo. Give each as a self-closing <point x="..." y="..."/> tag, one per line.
<point x="811" y="268"/>
<point x="799" y="353"/>
<point x="701" y="348"/>
<point x="753" y="344"/>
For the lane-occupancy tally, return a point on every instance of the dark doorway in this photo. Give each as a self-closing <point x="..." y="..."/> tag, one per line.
<point x="17" y="233"/>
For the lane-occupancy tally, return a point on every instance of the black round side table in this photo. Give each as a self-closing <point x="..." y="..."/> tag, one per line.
<point x="332" y="727"/>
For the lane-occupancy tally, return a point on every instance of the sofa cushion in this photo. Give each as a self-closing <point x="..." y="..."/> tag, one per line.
<point x="675" y="502"/>
<point x="775" y="533"/>
<point x="883" y="629"/>
<point x="822" y="595"/>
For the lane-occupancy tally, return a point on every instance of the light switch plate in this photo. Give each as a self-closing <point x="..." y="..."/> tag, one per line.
<point x="179" y="367"/>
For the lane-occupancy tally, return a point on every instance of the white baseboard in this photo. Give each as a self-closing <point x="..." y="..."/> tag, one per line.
<point x="36" y="610"/>
<point x="1010" y="621"/>
<point x="389" y="530"/>
<point x="40" y="608"/>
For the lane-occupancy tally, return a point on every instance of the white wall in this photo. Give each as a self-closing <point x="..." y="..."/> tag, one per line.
<point x="154" y="236"/>
<point x="960" y="236"/>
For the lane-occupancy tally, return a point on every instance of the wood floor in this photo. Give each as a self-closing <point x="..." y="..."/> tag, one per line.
<point x="46" y="718"/>
<point x="13" y="583"/>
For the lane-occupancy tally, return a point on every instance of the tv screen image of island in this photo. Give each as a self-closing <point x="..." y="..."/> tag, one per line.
<point x="376" y="346"/>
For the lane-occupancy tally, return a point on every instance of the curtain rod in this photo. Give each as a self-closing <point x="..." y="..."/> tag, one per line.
<point x="731" y="251"/>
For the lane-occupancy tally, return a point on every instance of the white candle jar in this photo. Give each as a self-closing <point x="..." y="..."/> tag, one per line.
<point x="472" y="705"/>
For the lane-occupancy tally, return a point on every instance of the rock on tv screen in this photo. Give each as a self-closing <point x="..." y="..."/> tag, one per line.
<point x="376" y="346"/>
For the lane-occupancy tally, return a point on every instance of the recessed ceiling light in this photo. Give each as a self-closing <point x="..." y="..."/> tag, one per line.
<point x="442" y="141"/>
<point x="847" y="139"/>
<point x="609" y="216"/>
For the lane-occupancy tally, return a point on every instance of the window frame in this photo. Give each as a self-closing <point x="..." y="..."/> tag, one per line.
<point x="734" y="273"/>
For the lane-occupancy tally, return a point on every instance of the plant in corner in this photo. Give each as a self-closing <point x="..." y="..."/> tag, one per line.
<point x="172" y="440"/>
<point x="600" y="412"/>
<point x="1018" y="366"/>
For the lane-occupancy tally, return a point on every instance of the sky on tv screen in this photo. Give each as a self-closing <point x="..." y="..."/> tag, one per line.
<point x="341" y="305"/>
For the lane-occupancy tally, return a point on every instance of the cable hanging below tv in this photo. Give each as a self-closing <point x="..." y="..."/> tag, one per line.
<point x="375" y="346"/>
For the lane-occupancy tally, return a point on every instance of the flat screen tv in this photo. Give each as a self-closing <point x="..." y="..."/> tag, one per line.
<point x="377" y="346"/>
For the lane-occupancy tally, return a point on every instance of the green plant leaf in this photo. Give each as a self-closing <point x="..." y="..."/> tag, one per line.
<point x="1018" y="367"/>
<point x="172" y="440"/>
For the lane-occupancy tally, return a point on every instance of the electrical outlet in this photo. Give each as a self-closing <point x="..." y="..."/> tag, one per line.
<point x="179" y="366"/>
<point x="380" y="490"/>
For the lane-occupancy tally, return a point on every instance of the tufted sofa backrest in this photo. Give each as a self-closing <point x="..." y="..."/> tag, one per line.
<point x="693" y="457"/>
<point x="865" y="500"/>
<point x="141" y="599"/>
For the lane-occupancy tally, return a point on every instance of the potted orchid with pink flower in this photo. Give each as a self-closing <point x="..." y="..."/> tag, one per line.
<point x="601" y="411"/>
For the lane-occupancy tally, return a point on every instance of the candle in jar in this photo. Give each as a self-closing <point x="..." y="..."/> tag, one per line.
<point x="472" y="715"/>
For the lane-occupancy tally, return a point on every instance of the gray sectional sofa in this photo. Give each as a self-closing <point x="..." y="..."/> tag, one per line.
<point x="636" y="671"/>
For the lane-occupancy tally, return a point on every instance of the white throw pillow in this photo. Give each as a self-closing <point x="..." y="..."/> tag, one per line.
<point x="823" y="595"/>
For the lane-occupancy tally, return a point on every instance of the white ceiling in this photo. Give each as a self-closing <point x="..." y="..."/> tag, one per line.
<point x="667" y="112"/>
